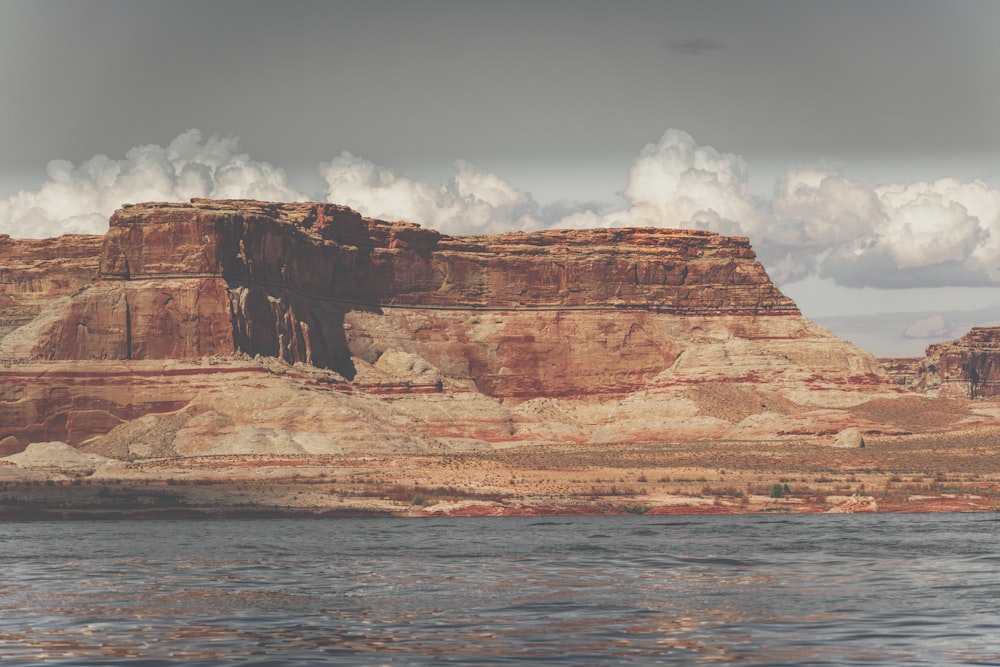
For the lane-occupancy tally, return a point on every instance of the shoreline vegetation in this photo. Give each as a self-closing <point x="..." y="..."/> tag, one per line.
<point x="930" y="472"/>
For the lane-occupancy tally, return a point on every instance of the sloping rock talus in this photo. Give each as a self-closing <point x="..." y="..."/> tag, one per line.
<point x="553" y="313"/>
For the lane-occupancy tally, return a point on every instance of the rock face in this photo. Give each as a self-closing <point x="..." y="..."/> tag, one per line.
<point x="970" y="366"/>
<point x="101" y="331"/>
<point x="36" y="273"/>
<point x="556" y="313"/>
<point x="914" y="373"/>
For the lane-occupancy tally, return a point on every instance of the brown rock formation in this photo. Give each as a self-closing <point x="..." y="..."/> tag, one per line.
<point x="34" y="273"/>
<point x="969" y="366"/>
<point x="517" y="315"/>
<point x="425" y="337"/>
<point x="916" y="373"/>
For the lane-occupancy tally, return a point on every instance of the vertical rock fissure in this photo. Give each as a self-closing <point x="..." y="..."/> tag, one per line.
<point x="128" y="330"/>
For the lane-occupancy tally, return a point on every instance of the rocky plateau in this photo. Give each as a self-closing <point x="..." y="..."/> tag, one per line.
<point x="246" y="341"/>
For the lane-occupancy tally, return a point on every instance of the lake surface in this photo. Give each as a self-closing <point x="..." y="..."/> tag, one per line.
<point x="748" y="590"/>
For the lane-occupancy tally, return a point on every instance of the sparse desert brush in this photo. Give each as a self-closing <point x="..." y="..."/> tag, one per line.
<point x="721" y="491"/>
<point x="896" y="494"/>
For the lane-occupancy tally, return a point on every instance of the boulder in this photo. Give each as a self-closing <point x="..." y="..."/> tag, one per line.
<point x="849" y="438"/>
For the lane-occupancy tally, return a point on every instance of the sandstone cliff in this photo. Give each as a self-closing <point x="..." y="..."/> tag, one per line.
<point x="552" y="313"/>
<point x="35" y="274"/>
<point x="969" y="366"/>
<point x="452" y="332"/>
<point x="914" y="373"/>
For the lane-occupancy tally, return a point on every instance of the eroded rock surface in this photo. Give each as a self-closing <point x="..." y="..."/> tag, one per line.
<point x="970" y="365"/>
<point x="915" y="373"/>
<point x="393" y="336"/>
<point x="555" y="313"/>
<point x="36" y="274"/>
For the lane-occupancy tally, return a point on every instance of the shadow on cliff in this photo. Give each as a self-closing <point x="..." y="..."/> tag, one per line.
<point x="281" y="323"/>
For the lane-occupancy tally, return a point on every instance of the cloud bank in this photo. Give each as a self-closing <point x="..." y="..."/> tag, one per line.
<point x="672" y="183"/>
<point x="817" y="222"/>
<point x="469" y="202"/>
<point x="916" y="235"/>
<point x="80" y="199"/>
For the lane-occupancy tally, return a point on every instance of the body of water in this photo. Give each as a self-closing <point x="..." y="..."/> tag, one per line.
<point x="747" y="590"/>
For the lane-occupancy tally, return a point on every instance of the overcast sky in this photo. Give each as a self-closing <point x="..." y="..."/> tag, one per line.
<point x="856" y="143"/>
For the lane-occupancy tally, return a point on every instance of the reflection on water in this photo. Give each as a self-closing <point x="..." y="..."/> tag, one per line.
<point x="817" y="590"/>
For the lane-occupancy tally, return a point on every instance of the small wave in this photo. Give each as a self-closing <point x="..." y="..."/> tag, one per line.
<point x="550" y="523"/>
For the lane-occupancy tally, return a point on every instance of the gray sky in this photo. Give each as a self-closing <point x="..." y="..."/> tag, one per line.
<point x="557" y="98"/>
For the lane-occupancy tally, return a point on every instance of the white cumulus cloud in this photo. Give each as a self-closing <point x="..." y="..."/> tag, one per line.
<point x="678" y="183"/>
<point x="897" y="235"/>
<point x="673" y="183"/>
<point x="80" y="199"/>
<point x="943" y="221"/>
<point x="469" y="202"/>
<point x="818" y="222"/>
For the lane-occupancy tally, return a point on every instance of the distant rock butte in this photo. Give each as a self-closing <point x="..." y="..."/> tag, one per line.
<point x="392" y="308"/>
<point x="970" y="365"/>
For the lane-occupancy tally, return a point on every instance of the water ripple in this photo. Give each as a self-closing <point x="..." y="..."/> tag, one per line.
<point x="882" y="590"/>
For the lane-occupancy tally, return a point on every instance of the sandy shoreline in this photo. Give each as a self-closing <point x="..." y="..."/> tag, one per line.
<point x="954" y="471"/>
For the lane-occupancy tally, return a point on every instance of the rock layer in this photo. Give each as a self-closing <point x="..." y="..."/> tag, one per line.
<point x="35" y="273"/>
